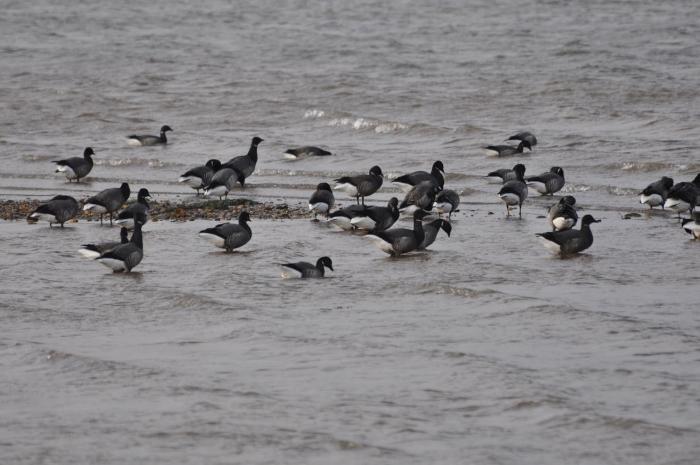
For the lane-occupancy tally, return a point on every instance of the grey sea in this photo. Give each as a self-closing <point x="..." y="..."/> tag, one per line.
<point x="484" y="349"/>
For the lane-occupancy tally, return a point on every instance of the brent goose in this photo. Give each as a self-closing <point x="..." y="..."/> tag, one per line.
<point x="503" y="175"/>
<point x="436" y="176"/>
<point x="684" y="196"/>
<point x="140" y="208"/>
<point x="377" y="218"/>
<point x="245" y="164"/>
<point x="108" y="201"/>
<point x="562" y="215"/>
<point x="399" y="241"/>
<point x="200" y="177"/>
<point x="95" y="250"/>
<point x="570" y="241"/>
<point x="362" y="185"/>
<point x="305" y="151"/>
<point x="656" y="193"/>
<point x="525" y="136"/>
<point x="222" y="182"/>
<point x="692" y="226"/>
<point x="422" y="196"/>
<point x="343" y="217"/>
<point x="125" y="257"/>
<point x="309" y="270"/>
<point x="76" y="167"/>
<point x="515" y="192"/>
<point x="137" y="141"/>
<point x="229" y="236"/>
<point x="431" y="231"/>
<point x="322" y="200"/>
<point x="57" y="210"/>
<point x="507" y="150"/>
<point x="547" y="183"/>
<point x="446" y="201"/>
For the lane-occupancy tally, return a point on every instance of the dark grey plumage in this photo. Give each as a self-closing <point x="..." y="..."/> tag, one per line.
<point x="507" y="150"/>
<point x="76" y="167"/>
<point x="525" y="136"/>
<point x="137" y="140"/>
<point x="306" y="151"/>
<point x="421" y="196"/>
<point x="684" y="196"/>
<point x="515" y="192"/>
<point x="59" y="209"/>
<point x="656" y="193"/>
<point x="692" y="225"/>
<point x="307" y="270"/>
<point x="436" y="177"/>
<point x="570" y="241"/>
<point x="245" y="164"/>
<point x="125" y="257"/>
<point x="563" y="215"/>
<point x="229" y="236"/>
<point x="222" y="182"/>
<point x="200" y="177"/>
<point x="96" y="250"/>
<point x="447" y="201"/>
<point x="399" y="241"/>
<point x="362" y="185"/>
<point x="140" y="208"/>
<point x="505" y="174"/>
<point x="377" y="218"/>
<point x="343" y="217"/>
<point x="322" y="200"/>
<point x="431" y="231"/>
<point x="108" y="201"/>
<point x="547" y="183"/>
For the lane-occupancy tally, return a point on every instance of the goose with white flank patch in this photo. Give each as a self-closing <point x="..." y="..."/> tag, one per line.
<point x="503" y="175"/>
<point x="59" y="209"/>
<point x="245" y="164"/>
<point x="126" y="216"/>
<point x="306" y="151"/>
<point x="692" y="226"/>
<point x="308" y="270"/>
<point x="322" y="200"/>
<point x="229" y="236"/>
<point x="76" y="167"/>
<point x="362" y="185"/>
<point x="377" y="218"/>
<point x="222" y="182"/>
<point x="514" y="192"/>
<point x="343" y="217"/>
<point x="422" y="197"/>
<point x="656" y="193"/>
<point x="684" y="196"/>
<point x="507" y="150"/>
<point x="94" y="251"/>
<point x="547" y="183"/>
<point x="563" y="215"/>
<point x="571" y="241"/>
<point x="125" y="257"/>
<point x="108" y="201"/>
<point x="399" y="241"/>
<point x="200" y="177"/>
<point x="436" y="176"/>
<point x="138" y="141"/>
<point x="446" y="201"/>
<point x="525" y="136"/>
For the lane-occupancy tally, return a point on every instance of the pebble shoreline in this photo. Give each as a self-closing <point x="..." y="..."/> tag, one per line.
<point x="215" y="210"/>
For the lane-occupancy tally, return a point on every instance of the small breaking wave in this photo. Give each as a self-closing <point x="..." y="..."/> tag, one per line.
<point x="378" y="126"/>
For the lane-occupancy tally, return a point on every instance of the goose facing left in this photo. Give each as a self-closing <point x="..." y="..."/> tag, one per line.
<point x="108" y="201"/>
<point x="308" y="270"/>
<point x="229" y="236"/>
<point x="200" y="177"/>
<point x="140" y="140"/>
<point x="306" y="151"/>
<point x="692" y="225"/>
<point x="59" y="209"/>
<point x="514" y="192"/>
<point x="76" y="167"/>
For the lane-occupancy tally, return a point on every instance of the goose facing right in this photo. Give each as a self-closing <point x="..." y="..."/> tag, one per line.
<point x="526" y="136"/>
<point x="507" y="150"/>
<point x="229" y="236"/>
<point x="200" y="177"/>
<point x="126" y="217"/>
<point x="95" y="250"/>
<point x="514" y="192"/>
<point x="447" y="201"/>
<point x="377" y="218"/>
<point x="245" y="164"/>
<point x="399" y="241"/>
<point x="140" y="140"/>
<point x="362" y="185"/>
<point x="306" y="151"/>
<point x="684" y="196"/>
<point x="108" y="201"/>
<point x="76" y="167"/>
<point x="692" y="225"/>
<point x="125" y="257"/>
<point x="59" y="209"/>
<point x="436" y="176"/>
<point x="571" y="241"/>
<point x="547" y="183"/>
<point x="308" y="270"/>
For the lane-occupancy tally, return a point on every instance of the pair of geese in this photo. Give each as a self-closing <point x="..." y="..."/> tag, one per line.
<point x="680" y="197"/>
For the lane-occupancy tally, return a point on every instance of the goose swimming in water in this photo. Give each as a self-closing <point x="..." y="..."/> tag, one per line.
<point x="514" y="192"/>
<point x="431" y="231"/>
<point x="656" y="193"/>
<point x="76" y="167"/>
<point x="308" y="270"/>
<point x="108" y="201"/>
<point x="125" y="257"/>
<point x="306" y="151"/>
<point x="399" y="241"/>
<point x="322" y="200"/>
<point x="571" y="241"/>
<point x="138" y="141"/>
<point x="94" y="251"/>
<point x="59" y="209"/>
<point x="200" y="177"/>
<point x="446" y="201"/>
<point x="507" y="150"/>
<point x="245" y="164"/>
<point x="525" y="136"/>
<point x="229" y="236"/>
<point x="362" y="185"/>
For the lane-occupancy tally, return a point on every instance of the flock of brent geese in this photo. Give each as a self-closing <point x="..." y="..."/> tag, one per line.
<point x="426" y="200"/>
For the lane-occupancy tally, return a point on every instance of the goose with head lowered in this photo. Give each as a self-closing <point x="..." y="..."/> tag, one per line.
<point x="431" y="231"/>
<point x="399" y="241"/>
<point x="94" y="251"/>
<point x="656" y="193"/>
<point x="507" y="150"/>
<point x="76" y="167"/>
<point x="108" y="201"/>
<point x="563" y="215"/>
<point x="377" y="218"/>
<point x="514" y="192"/>
<point x="547" y="183"/>
<point x="684" y="196"/>
<point x="570" y="241"/>
<point x="222" y="182"/>
<point x="306" y="151"/>
<point x="308" y="270"/>
<point x="692" y="225"/>
<point x="140" y="207"/>
<point x="229" y="236"/>
<point x="138" y="141"/>
<point x="446" y="201"/>
<point x="525" y="136"/>
<point x="59" y="209"/>
<point x="245" y="164"/>
<point x="125" y="257"/>
<point x="436" y="176"/>
<point x="322" y="200"/>
<point x="362" y="185"/>
<point x="200" y="177"/>
<point x="422" y="196"/>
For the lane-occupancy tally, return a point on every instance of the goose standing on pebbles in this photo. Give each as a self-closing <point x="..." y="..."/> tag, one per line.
<point x="692" y="226"/>
<point x="306" y="151"/>
<point x="108" y="201"/>
<point x="307" y="270"/>
<point x="684" y="196"/>
<point x="436" y="176"/>
<point x="222" y="182"/>
<point x="547" y="183"/>
<point x="229" y="236"/>
<point x="656" y="193"/>
<point x="431" y="231"/>
<point x="125" y="257"/>
<point x="507" y="150"/>
<point x="200" y="177"/>
<point x="570" y="241"/>
<point x="525" y="136"/>
<point x="446" y="201"/>
<point x="126" y="216"/>
<point x="377" y="219"/>
<point x="76" y="167"/>
<point x="57" y="210"/>
<point x="362" y="185"/>
<point x="138" y="141"/>
<point x="94" y="251"/>
<point x="563" y="215"/>
<point x="245" y="164"/>
<point x="322" y="200"/>
<point x="399" y="241"/>
<point x="515" y="192"/>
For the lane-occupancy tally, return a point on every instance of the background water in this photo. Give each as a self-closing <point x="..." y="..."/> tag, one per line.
<point x="484" y="350"/>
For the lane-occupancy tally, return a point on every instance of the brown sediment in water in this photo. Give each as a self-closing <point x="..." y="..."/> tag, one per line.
<point x="218" y="210"/>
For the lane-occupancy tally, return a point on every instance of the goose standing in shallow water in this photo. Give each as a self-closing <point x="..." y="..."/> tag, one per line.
<point x="547" y="183"/>
<point x="570" y="241"/>
<point x="377" y="218"/>
<point x="126" y="216"/>
<point x="503" y="174"/>
<point x="431" y="231"/>
<point x="57" y="210"/>
<point x="507" y="150"/>
<point x="692" y="226"/>
<point x="684" y="196"/>
<point x="515" y="192"/>
<point x="343" y="217"/>
<point x="322" y="200"/>
<point x="307" y="270"/>
<point x="76" y="167"/>
<point x="399" y="241"/>
<point x="656" y="193"/>
<point x="446" y="201"/>
<point x="138" y="141"/>
<point x="125" y="257"/>
<point x="362" y="185"/>
<point x="94" y="251"/>
<point x="200" y="177"/>
<point x="222" y="182"/>
<point x="436" y="176"/>
<point x="229" y="236"/>
<point x="306" y="151"/>
<point x="108" y="201"/>
<point x="422" y="196"/>
<point x="563" y="215"/>
<point x="245" y="164"/>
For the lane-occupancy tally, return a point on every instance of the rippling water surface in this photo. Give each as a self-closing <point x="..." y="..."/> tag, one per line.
<point x="482" y="350"/>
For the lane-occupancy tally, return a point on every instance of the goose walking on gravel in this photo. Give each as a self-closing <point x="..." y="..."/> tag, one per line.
<point x="222" y="182"/>
<point x="138" y="141"/>
<point x="563" y="215"/>
<point x="200" y="177"/>
<point x="245" y="164"/>
<point x="525" y="136"/>
<point x="547" y="183"/>
<point x="229" y="236"/>
<point x="399" y="241"/>
<point x="684" y="196"/>
<point x="126" y="217"/>
<point x="308" y="270"/>
<point x="59" y="209"/>
<point x="362" y="185"/>
<point x="515" y="192"/>
<point x="656" y="193"/>
<point x="322" y="200"/>
<point x="108" y="201"/>
<point x="94" y="251"/>
<point x="125" y="257"/>
<point x="431" y="231"/>
<point x="571" y="241"/>
<point x="76" y="167"/>
<point x="377" y="218"/>
<point x="446" y="201"/>
<point x="507" y="150"/>
<point x="306" y="151"/>
<point x="436" y="176"/>
<point x="692" y="226"/>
